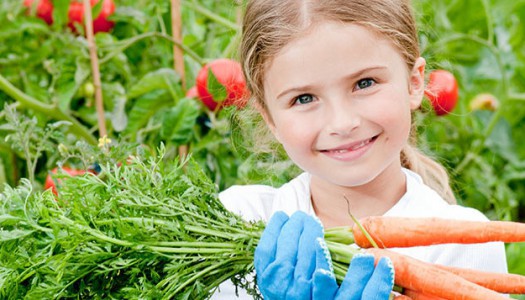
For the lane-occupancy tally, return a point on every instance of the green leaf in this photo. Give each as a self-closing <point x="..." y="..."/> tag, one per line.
<point x="115" y="101"/>
<point x="500" y="141"/>
<point x="14" y="234"/>
<point x="178" y="121"/>
<point x="3" y="177"/>
<point x="83" y="70"/>
<point x="215" y="88"/>
<point x="95" y="10"/>
<point x="164" y="78"/>
<point x="60" y="13"/>
<point x="145" y="108"/>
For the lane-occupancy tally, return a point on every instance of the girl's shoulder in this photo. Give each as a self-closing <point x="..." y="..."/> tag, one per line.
<point x="258" y="202"/>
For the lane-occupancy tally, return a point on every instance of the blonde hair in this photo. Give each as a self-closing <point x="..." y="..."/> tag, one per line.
<point x="269" y="25"/>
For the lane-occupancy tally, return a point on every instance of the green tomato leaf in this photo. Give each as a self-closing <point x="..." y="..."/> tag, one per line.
<point x="60" y="13"/>
<point x="95" y="10"/>
<point x="215" y="88"/>
<point x="65" y="92"/>
<point x="83" y="70"/>
<point x="178" y="121"/>
<point x="500" y="141"/>
<point x="115" y="101"/>
<point x="164" y="78"/>
<point x="3" y="177"/>
<point x="145" y="108"/>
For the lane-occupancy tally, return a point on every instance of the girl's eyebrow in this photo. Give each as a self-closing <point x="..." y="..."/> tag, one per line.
<point x="359" y="73"/>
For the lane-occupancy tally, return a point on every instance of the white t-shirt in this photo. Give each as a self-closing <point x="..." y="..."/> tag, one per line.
<point x="259" y="202"/>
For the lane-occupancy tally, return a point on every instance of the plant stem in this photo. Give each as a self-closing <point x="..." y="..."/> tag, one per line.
<point x="178" y="54"/>
<point x="92" y="46"/>
<point x="46" y="109"/>
<point x="173" y="247"/>
<point x="124" y="44"/>
<point x="211" y="15"/>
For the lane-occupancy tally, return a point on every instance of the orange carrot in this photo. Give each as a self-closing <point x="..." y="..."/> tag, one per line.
<point x="419" y="295"/>
<point x="424" y="277"/>
<point x="499" y="282"/>
<point x="391" y="232"/>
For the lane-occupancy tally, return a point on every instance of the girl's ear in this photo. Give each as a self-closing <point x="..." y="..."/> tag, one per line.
<point x="417" y="83"/>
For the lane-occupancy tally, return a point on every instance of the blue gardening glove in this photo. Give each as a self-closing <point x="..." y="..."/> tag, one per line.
<point x="363" y="281"/>
<point x="293" y="262"/>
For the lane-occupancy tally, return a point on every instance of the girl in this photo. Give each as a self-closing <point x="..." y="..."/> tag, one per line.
<point x="336" y="82"/>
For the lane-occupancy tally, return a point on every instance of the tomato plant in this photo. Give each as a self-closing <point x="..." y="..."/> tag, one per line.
<point x="226" y="85"/>
<point x="44" y="10"/>
<point x="144" y="95"/>
<point x="50" y="182"/>
<point x="100" y="22"/>
<point x="442" y="91"/>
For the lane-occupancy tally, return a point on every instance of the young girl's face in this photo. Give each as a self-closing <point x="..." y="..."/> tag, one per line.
<point x="339" y="99"/>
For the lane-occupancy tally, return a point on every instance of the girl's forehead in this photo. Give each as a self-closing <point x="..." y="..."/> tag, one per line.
<point x="348" y="39"/>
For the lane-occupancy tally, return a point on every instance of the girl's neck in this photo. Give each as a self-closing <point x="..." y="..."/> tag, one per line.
<point x="332" y="203"/>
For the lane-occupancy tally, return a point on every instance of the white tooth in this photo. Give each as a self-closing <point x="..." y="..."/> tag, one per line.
<point x="363" y="143"/>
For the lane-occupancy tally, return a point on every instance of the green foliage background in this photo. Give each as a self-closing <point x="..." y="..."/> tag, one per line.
<point x="46" y="76"/>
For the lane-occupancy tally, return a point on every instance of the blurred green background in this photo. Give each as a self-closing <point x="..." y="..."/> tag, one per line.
<point x="46" y="77"/>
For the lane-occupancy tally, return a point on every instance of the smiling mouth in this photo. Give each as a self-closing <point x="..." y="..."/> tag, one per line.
<point x="351" y="147"/>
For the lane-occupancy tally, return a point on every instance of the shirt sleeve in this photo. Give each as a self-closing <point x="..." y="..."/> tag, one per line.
<point x="251" y="202"/>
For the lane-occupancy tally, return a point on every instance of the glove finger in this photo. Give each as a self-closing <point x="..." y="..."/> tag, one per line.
<point x="306" y="259"/>
<point x="357" y="277"/>
<point x="288" y="240"/>
<point x="324" y="284"/>
<point x="277" y="280"/>
<point x="323" y="260"/>
<point x="382" y="281"/>
<point x="267" y="246"/>
<point x="308" y="244"/>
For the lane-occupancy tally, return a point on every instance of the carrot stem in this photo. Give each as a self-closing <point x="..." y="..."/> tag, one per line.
<point x="360" y="226"/>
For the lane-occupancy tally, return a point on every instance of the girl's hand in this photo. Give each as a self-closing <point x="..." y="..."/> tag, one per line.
<point x="293" y="262"/>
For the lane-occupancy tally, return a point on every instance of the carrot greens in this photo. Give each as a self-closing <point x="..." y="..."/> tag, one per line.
<point x="147" y="229"/>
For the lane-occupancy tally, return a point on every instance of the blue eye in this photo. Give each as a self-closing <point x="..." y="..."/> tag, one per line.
<point x="303" y="99"/>
<point x="365" y="83"/>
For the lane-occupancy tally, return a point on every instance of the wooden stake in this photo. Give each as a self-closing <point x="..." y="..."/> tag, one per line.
<point x="178" y="54"/>
<point x="99" y="101"/>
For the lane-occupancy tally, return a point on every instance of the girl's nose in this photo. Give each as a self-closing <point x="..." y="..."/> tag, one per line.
<point x="342" y="119"/>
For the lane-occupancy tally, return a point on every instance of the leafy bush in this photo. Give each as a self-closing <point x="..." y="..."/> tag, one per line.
<point x="46" y="80"/>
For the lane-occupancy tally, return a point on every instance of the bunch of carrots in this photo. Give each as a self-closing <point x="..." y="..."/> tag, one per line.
<point x="421" y="280"/>
<point x="155" y="229"/>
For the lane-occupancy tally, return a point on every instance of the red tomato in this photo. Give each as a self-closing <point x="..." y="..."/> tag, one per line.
<point x="192" y="92"/>
<point x="76" y="13"/>
<point x="229" y="74"/>
<point x="44" y="9"/>
<point x="50" y="182"/>
<point x="100" y="23"/>
<point x="442" y="91"/>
